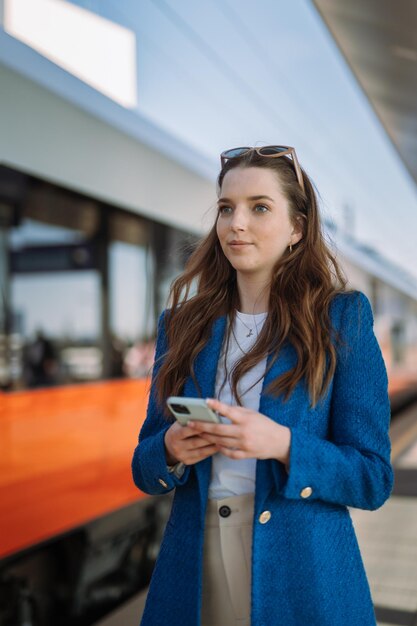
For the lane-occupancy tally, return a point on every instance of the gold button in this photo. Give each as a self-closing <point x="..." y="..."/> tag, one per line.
<point x="163" y="483"/>
<point x="306" y="492"/>
<point x="265" y="517"/>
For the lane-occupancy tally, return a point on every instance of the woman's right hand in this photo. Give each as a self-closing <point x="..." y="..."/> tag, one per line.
<point x="182" y="444"/>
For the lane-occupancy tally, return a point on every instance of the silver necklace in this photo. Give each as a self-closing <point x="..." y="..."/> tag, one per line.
<point x="250" y="333"/>
<point x="239" y="346"/>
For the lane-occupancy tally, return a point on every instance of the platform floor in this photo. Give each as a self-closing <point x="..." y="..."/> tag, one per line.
<point x="388" y="538"/>
<point x="388" y="542"/>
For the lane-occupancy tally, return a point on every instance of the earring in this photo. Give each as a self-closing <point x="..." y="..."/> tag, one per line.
<point x="290" y="248"/>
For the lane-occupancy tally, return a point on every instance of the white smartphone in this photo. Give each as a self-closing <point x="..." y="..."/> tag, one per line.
<point x="185" y="409"/>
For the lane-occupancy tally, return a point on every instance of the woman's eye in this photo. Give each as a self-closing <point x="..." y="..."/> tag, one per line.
<point x="258" y="208"/>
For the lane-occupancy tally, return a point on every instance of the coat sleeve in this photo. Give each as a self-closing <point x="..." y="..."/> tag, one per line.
<point x="149" y="468"/>
<point x="353" y="467"/>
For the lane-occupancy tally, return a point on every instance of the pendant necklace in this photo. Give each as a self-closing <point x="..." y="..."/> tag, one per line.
<point x="250" y="333"/>
<point x="238" y="344"/>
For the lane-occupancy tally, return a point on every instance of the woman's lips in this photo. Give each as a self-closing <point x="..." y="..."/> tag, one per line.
<point x="239" y="245"/>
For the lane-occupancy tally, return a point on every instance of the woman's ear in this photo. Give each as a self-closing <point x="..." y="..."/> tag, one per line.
<point x="298" y="231"/>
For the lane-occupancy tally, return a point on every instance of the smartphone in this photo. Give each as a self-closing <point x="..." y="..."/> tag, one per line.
<point x="185" y="409"/>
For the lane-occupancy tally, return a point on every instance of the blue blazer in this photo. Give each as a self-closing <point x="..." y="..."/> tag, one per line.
<point x="306" y="563"/>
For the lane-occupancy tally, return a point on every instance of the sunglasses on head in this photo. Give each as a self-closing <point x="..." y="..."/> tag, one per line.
<point x="266" y="151"/>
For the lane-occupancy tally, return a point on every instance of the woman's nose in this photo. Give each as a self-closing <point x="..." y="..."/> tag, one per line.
<point x="238" y="221"/>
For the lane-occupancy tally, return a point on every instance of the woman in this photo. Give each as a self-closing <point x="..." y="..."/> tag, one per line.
<point x="259" y="531"/>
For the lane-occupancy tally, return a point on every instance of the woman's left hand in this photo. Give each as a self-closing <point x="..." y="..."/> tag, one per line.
<point x="250" y="435"/>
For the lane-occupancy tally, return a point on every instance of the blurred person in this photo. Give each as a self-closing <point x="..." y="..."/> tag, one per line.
<point x="41" y="363"/>
<point x="117" y="350"/>
<point x="259" y="531"/>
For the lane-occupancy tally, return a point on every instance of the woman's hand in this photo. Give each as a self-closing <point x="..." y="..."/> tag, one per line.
<point x="250" y="435"/>
<point x="182" y="443"/>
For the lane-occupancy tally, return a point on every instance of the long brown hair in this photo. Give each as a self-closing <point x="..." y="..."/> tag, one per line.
<point x="303" y="284"/>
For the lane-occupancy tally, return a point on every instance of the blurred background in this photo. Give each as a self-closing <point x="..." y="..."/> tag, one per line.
<point x="113" y="114"/>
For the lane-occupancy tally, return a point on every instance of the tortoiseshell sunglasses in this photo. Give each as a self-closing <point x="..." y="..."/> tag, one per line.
<point x="266" y="151"/>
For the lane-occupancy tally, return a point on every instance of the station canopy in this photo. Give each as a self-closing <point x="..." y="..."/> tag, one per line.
<point x="379" y="41"/>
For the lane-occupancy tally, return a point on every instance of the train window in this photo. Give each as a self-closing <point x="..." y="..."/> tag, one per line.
<point x="51" y="290"/>
<point x="131" y="296"/>
<point x="172" y="248"/>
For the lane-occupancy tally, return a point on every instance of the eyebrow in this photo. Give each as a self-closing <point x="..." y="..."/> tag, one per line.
<point x="249" y="198"/>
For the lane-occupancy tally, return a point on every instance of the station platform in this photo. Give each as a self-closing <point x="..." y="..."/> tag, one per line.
<point x="388" y="536"/>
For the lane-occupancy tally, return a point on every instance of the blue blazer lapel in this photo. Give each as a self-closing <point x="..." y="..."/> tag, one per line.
<point x="205" y="373"/>
<point x="276" y="409"/>
<point x="206" y="363"/>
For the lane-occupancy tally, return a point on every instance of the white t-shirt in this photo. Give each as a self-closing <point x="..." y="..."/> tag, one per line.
<point x="231" y="477"/>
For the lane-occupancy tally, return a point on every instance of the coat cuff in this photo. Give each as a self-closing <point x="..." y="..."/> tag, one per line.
<point x="338" y="474"/>
<point x="302" y="472"/>
<point x="151" y="472"/>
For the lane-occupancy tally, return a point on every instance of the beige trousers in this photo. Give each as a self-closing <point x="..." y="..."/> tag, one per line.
<point x="227" y="561"/>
